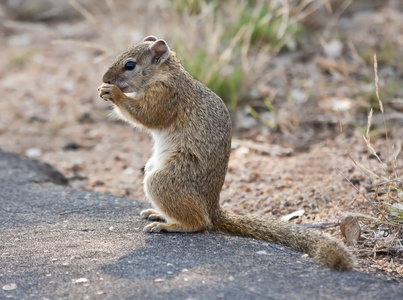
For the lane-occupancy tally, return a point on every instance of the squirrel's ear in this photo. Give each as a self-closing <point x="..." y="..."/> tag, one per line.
<point x="159" y="50"/>
<point x="150" y="38"/>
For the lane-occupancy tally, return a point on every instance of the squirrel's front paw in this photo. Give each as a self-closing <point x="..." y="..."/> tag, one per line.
<point x="110" y="92"/>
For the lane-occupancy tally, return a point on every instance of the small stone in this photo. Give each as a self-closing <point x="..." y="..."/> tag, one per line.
<point x="33" y="152"/>
<point x="71" y="146"/>
<point x="159" y="280"/>
<point x="261" y="252"/>
<point x="334" y="49"/>
<point x="128" y="171"/>
<point x="81" y="280"/>
<point x="10" y="286"/>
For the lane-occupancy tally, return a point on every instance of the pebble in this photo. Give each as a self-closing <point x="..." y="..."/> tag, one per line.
<point x="334" y="49"/>
<point x="33" y="152"/>
<point x="81" y="280"/>
<point x="10" y="286"/>
<point x="128" y="171"/>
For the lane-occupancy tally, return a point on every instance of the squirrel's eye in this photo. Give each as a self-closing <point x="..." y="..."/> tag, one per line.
<point x="130" y="65"/>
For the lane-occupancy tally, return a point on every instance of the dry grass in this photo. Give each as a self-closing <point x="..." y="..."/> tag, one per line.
<point x="242" y="37"/>
<point x="382" y="230"/>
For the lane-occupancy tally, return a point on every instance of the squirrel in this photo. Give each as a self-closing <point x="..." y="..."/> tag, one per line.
<point x="191" y="128"/>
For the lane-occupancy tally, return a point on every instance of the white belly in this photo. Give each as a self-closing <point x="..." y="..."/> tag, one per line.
<point x="157" y="162"/>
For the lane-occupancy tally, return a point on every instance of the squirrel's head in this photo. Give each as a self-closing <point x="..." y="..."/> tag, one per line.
<point x="139" y="65"/>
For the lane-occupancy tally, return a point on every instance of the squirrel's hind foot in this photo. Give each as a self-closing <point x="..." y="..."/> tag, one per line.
<point x="152" y="215"/>
<point x="164" y="227"/>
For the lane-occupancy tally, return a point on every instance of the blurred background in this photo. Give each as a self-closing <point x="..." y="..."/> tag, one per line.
<point x="297" y="76"/>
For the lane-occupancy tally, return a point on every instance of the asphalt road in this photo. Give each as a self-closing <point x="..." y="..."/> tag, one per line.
<point x="60" y="243"/>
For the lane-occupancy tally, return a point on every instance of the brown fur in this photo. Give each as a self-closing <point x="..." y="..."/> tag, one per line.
<point x="191" y="128"/>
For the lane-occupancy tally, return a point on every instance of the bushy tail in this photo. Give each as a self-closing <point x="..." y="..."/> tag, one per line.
<point x="320" y="246"/>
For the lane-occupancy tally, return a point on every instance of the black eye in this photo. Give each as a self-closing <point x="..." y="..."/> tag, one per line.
<point x="130" y="65"/>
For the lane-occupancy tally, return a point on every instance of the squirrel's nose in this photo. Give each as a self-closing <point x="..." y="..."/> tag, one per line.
<point x="106" y="78"/>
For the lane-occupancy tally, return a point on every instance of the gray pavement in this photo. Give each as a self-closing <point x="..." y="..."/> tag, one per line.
<point x="60" y="243"/>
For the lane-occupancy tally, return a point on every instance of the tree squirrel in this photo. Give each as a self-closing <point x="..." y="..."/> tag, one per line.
<point x="191" y="128"/>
